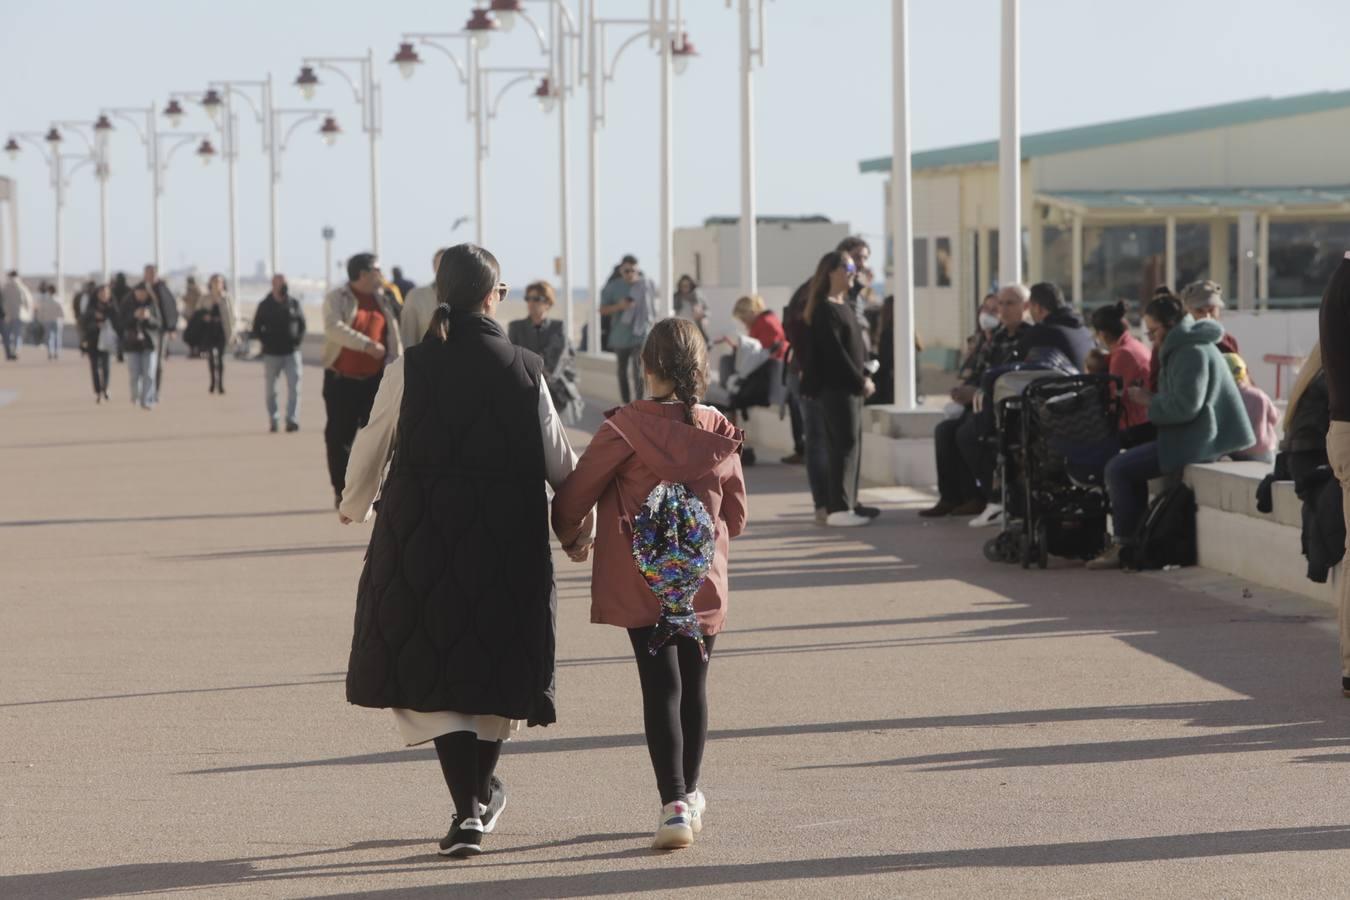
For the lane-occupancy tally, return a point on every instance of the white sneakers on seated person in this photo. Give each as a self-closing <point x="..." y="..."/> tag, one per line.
<point x="846" y="519"/>
<point x="991" y="517"/>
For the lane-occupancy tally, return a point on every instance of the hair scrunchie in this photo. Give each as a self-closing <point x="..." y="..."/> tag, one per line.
<point x="444" y="307"/>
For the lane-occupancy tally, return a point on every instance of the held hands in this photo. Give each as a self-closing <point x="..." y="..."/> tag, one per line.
<point x="343" y="519"/>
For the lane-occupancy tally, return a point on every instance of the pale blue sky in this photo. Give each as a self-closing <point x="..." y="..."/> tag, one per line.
<point x="823" y="104"/>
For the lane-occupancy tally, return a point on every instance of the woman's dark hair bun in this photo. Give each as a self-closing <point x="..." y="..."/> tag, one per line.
<point x="1111" y="319"/>
<point x="466" y="274"/>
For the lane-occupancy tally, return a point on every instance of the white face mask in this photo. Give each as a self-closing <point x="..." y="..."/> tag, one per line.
<point x="988" y="321"/>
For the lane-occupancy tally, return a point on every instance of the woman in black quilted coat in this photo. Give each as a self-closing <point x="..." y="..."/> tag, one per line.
<point x="455" y="609"/>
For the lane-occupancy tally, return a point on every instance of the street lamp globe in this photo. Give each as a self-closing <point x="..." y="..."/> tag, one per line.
<point x="544" y="93"/>
<point x="206" y="152"/>
<point x="406" y="59"/>
<point x="53" y="136"/>
<point x="12" y="148"/>
<point x="505" y="12"/>
<point x="212" y="103"/>
<point x="330" y="130"/>
<point x="307" y="82"/>
<point x="480" y="27"/>
<point x="174" y="113"/>
<point x="681" y="52"/>
<point x="102" y="127"/>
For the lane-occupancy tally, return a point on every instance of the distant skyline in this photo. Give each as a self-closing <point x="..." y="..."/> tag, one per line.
<point x="823" y="104"/>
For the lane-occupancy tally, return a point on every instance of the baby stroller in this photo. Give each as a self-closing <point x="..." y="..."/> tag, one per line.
<point x="1057" y="434"/>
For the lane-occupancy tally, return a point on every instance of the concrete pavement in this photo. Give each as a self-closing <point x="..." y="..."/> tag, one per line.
<point x="891" y="714"/>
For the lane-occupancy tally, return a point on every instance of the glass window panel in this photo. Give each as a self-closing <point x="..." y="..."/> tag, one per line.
<point x="1302" y="257"/>
<point x="1122" y="262"/>
<point x="921" y="262"/>
<point x="942" y="261"/>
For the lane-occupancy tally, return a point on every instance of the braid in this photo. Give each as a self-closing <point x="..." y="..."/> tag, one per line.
<point x="677" y="351"/>
<point x="686" y="389"/>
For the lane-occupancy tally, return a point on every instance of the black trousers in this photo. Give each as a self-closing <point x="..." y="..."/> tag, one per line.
<point x="98" y="368"/>
<point x="977" y="455"/>
<point x="347" y="402"/>
<point x="674" y="710"/>
<point x="843" y="441"/>
<point x="956" y="479"/>
<point x="630" y="370"/>
<point x="215" y="359"/>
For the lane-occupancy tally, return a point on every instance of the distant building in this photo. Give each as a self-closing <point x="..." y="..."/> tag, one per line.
<point x="1255" y="195"/>
<point x="788" y="249"/>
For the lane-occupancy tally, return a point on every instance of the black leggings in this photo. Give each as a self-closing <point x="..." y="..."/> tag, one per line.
<point x="215" y="359"/>
<point x="674" y="709"/>
<point x="98" y="367"/>
<point x="467" y="765"/>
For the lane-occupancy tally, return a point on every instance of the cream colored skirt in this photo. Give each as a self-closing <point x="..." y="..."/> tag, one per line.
<point x="419" y="727"/>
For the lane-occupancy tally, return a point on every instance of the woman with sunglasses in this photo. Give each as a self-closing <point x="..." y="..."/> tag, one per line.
<point x="547" y="337"/>
<point x="835" y="377"/>
<point x="454" y="628"/>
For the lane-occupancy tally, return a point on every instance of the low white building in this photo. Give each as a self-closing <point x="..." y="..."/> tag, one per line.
<point x="1255" y="195"/>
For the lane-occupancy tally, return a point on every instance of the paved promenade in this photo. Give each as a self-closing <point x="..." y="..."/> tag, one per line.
<point x="891" y="714"/>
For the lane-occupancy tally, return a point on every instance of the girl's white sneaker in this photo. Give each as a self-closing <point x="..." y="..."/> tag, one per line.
<point x="673" y="828"/>
<point x="697" y="804"/>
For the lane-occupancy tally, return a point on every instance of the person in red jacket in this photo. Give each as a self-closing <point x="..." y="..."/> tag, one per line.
<point x="670" y="439"/>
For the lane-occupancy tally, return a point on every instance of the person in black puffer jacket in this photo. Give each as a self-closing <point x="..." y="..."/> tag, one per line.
<point x="1057" y="326"/>
<point x="455" y="609"/>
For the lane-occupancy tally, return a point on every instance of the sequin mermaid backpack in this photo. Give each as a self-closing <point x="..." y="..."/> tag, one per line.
<point x="674" y="543"/>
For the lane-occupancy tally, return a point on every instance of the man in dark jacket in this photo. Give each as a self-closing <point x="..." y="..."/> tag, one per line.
<point x="1057" y="326"/>
<point x="279" y="324"/>
<point x="166" y="305"/>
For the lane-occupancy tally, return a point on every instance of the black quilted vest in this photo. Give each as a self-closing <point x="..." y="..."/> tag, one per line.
<point x="455" y="608"/>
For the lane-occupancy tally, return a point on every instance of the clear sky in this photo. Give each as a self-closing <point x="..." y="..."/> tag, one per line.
<point x="823" y="104"/>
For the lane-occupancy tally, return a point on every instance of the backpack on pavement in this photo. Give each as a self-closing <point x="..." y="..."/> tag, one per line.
<point x="1166" y="537"/>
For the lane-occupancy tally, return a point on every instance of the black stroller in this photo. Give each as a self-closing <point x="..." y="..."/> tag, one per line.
<point x="1056" y="435"/>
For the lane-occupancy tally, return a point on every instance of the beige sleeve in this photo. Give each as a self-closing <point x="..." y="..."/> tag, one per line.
<point x="367" y="465"/>
<point x="337" y="330"/>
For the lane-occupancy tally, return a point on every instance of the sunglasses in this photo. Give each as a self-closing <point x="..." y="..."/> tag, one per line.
<point x="851" y="269"/>
<point x="501" y="290"/>
<point x="535" y="298"/>
<point x="627" y="271"/>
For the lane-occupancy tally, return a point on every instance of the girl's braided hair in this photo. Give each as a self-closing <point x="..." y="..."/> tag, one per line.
<point x="676" y="351"/>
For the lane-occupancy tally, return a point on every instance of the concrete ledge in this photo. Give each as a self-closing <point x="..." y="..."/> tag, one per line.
<point x="1234" y="537"/>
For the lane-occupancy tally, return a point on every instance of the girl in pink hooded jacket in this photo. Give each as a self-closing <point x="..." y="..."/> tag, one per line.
<point x="670" y="439"/>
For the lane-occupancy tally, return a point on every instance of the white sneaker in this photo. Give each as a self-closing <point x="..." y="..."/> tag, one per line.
<point x="992" y="516"/>
<point x="673" y="829"/>
<point x="846" y="519"/>
<point x="698" y="802"/>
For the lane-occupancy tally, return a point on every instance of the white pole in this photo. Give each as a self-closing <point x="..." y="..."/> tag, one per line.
<point x="749" y="222"/>
<point x="1010" y="156"/>
<point x="595" y="65"/>
<point x="156" y="187"/>
<point x="479" y="150"/>
<point x="270" y="121"/>
<point x="666" y="306"/>
<point x="1170" y="254"/>
<point x="103" y="212"/>
<point x="327" y="263"/>
<point x="232" y="158"/>
<point x="1263" y="261"/>
<point x="902" y="330"/>
<point x="564" y="201"/>
<point x="60" y="217"/>
<point x="372" y="98"/>
<point x="1077" y="262"/>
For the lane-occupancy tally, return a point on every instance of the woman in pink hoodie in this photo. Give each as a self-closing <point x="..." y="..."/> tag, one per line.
<point x="668" y="440"/>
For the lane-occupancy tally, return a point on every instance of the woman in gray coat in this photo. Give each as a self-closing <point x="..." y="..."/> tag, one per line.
<point x="548" y="338"/>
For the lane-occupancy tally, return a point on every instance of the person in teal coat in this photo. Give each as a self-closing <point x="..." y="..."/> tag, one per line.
<point x="1198" y="412"/>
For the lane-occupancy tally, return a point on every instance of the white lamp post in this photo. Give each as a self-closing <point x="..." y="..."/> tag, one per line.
<point x="1010" y="155"/>
<point x="601" y="68"/>
<point x="902" y="245"/>
<point x="751" y="14"/>
<point x="277" y="142"/>
<point x="366" y="93"/>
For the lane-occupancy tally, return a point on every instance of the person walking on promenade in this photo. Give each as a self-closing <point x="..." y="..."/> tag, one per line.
<point x="689" y="303"/>
<point x="405" y="287"/>
<point x="1334" y="342"/>
<point x="279" y="324"/>
<point x="213" y="328"/>
<point x="192" y="298"/>
<point x="547" y="337"/>
<point x="655" y="463"/>
<point x="613" y="291"/>
<point x="52" y="318"/>
<point x="83" y="297"/>
<point x="419" y="305"/>
<point x="140" y="328"/>
<point x="16" y="302"/>
<point x="98" y="338"/>
<point x="837" y="379"/>
<point x="632" y="304"/>
<point x="361" y="336"/>
<point x="166" y="307"/>
<point x="469" y="425"/>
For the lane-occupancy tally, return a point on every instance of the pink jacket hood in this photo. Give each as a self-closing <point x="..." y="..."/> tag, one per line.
<point x="674" y="450"/>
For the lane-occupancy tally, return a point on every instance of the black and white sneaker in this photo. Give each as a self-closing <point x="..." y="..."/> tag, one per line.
<point x="464" y="839"/>
<point x="493" y="810"/>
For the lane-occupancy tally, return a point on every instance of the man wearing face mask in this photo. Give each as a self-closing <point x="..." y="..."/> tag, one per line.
<point x="956" y="440"/>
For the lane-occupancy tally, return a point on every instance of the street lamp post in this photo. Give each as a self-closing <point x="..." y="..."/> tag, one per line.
<point x="367" y="95"/>
<point x="156" y="159"/>
<point x="902" y="245"/>
<point x="601" y="68"/>
<point x="276" y="148"/>
<point x="750" y="27"/>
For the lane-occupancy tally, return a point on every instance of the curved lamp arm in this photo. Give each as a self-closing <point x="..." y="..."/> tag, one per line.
<point x="331" y="66"/>
<point x="70" y="173"/>
<point x="36" y="140"/>
<point x="183" y="140"/>
<point x="519" y="79"/>
<point x="232" y="88"/>
<point x="307" y="116"/>
<point x="614" y="63"/>
<point x="426" y="41"/>
<point x="125" y="115"/>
